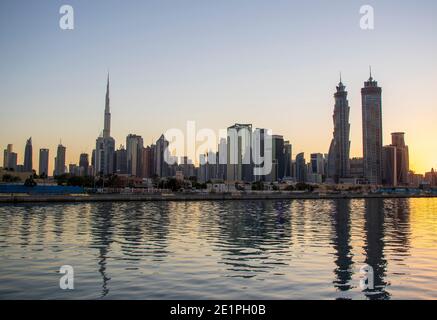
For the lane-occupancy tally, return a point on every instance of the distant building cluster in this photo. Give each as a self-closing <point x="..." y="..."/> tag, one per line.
<point x="380" y="165"/>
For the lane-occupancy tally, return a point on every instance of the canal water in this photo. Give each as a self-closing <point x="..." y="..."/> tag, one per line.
<point x="293" y="249"/>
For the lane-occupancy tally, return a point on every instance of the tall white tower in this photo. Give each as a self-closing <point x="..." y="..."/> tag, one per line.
<point x="105" y="144"/>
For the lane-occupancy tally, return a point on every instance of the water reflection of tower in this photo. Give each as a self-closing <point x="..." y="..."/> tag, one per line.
<point x="401" y="226"/>
<point x="341" y="241"/>
<point x="25" y="226"/>
<point x="102" y="230"/>
<point x="58" y="222"/>
<point x="41" y="225"/>
<point x="374" y="247"/>
<point x="282" y="221"/>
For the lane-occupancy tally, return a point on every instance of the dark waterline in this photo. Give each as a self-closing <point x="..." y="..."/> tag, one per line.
<point x="288" y="249"/>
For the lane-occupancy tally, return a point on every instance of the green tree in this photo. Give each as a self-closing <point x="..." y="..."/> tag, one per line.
<point x="258" y="186"/>
<point x="304" y="187"/>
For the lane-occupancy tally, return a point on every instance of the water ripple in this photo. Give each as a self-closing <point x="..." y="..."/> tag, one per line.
<point x="224" y="250"/>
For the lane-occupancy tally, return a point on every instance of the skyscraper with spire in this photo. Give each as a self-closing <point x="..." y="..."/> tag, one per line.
<point x="338" y="159"/>
<point x="60" y="168"/>
<point x="105" y="144"/>
<point x="371" y="96"/>
<point x="161" y="152"/>
<point x="28" y="155"/>
<point x="107" y="123"/>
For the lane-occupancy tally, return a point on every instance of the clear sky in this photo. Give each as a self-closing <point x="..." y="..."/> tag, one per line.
<point x="272" y="63"/>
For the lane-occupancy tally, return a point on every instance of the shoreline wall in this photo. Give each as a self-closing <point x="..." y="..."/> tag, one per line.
<point x="195" y="197"/>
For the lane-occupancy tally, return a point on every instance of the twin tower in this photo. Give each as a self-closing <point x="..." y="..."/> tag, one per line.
<point x="339" y="151"/>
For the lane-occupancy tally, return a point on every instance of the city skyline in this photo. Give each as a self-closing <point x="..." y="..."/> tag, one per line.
<point x="264" y="58"/>
<point x="105" y="157"/>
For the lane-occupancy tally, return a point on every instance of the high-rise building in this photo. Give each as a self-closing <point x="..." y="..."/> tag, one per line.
<point x="389" y="168"/>
<point x="149" y="161"/>
<point x="12" y="162"/>
<point x="357" y="168"/>
<point x="43" y="162"/>
<point x="371" y="96"/>
<point x="146" y="173"/>
<point x="301" y="168"/>
<point x="105" y="144"/>
<point x="288" y="159"/>
<point x="6" y="153"/>
<point x="259" y="150"/>
<point x="105" y="149"/>
<point x="10" y="158"/>
<point x="402" y="157"/>
<point x="431" y="178"/>
<point x="212" y="165"/>
<point x="60" y="161"/>
<point x="145" y="157"/>
<point x="316" y="168"/>
<point x="186" y="166"/>
<point x="207" y="167"/>
<point x="239" y="155"/>
<point x="317" y="164"/>
<point x="28" y="154"/>
<point x="83" y="164"/>
<point x="396" y="161"/>
<point x="222" y="159"/>
<point x="5" y="156"/>
<point x="338" y="159"/>
<point x="162" y="168"/>
<point x="121" y="160"/>
<point x="93" y="158"/>
<point x="201" y="170"/>
<point x="278" y="157"/>
<point x="74" y="170"/>
<point x="134" y="155"/>
<point x="91" y="168"/>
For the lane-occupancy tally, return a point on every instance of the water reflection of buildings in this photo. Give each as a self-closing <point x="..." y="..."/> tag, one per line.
<point x="58" y="223"/>
<point x="341" y="221"/>
<point x="399" y="211"/>
<point x="102" y="238"/>
<point x="384" y="221"/>
<point x="255" y="237"/>
<point x="259" y="239"/>
<point x="140" y="231"/>
<point x="145" y="231"/>
<point x="25" y="226"/>
<point x="374" y="225"/>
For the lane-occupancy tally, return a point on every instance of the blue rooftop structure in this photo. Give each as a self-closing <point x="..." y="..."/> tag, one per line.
<point x="44" y="189"/>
